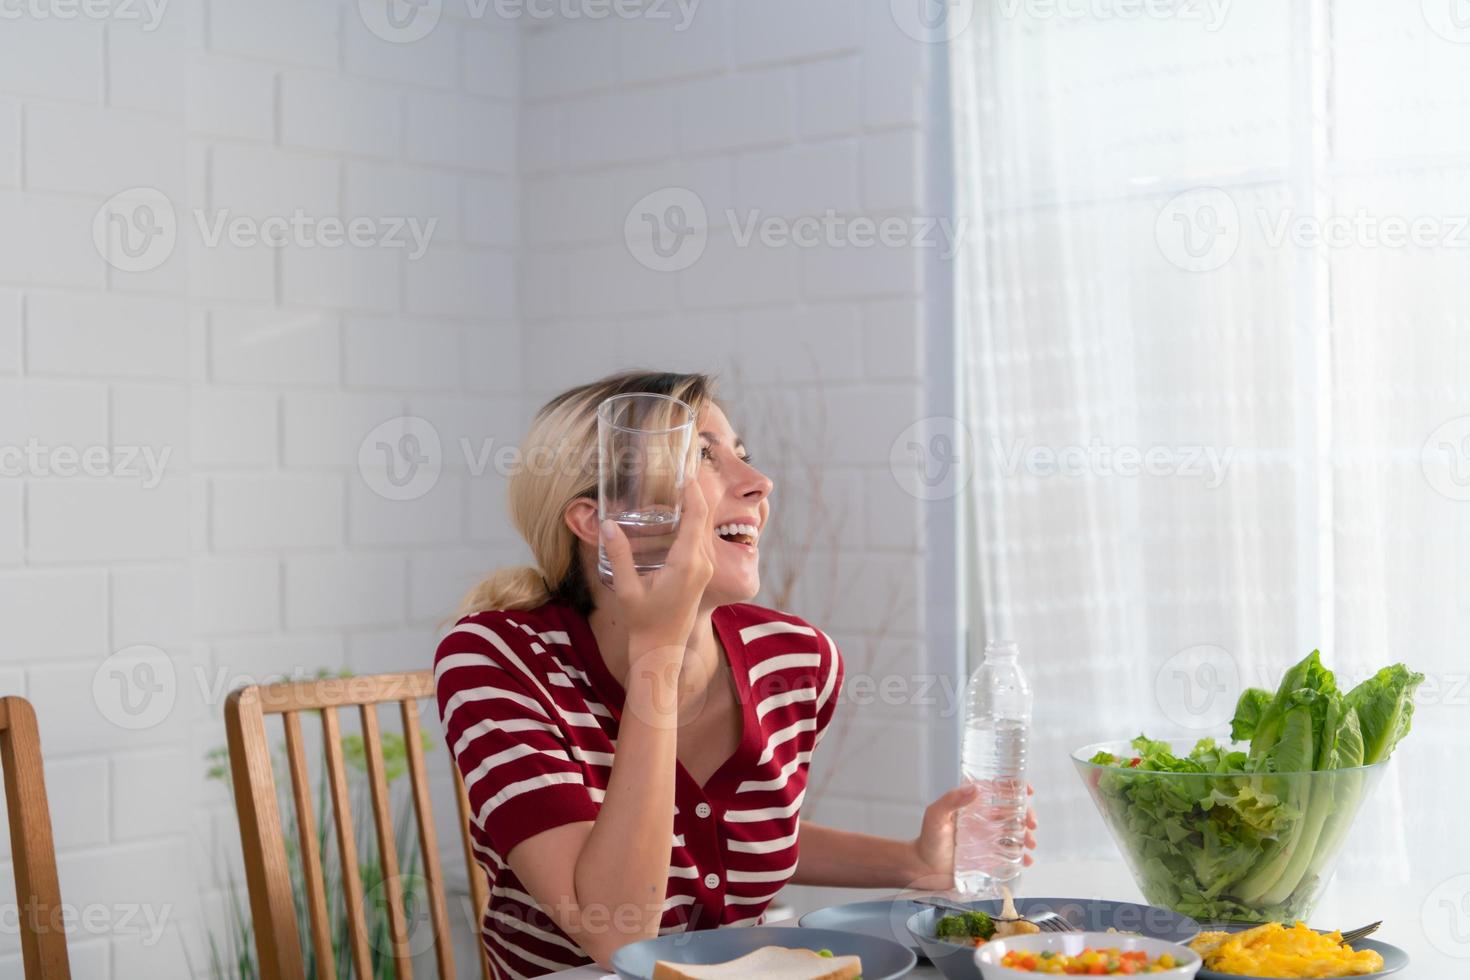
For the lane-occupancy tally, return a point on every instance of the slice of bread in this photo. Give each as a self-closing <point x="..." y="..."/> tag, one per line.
<point x="768" y="963"/>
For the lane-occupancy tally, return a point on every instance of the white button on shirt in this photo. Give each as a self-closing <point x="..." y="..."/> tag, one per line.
<point x="702" y="810"/>
<point x="712" y="880"/>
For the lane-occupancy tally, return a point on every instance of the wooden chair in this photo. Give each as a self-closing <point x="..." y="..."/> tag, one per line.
<point x="272" y="905"/>
<point x="37" y="891"/>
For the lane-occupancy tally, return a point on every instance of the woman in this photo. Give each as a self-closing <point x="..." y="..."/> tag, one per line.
<point x="636" y="757"/>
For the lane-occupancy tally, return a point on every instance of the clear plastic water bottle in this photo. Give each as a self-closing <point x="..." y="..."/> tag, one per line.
<point x="990" y="831"/>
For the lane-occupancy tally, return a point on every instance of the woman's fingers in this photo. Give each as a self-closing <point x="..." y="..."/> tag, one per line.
<point x="1030" y="818"/>
<point x="620" y="557"/>
<point x="695" y="523"/>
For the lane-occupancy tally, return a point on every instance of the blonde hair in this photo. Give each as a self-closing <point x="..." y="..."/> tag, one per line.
<point x="558" y="464"/>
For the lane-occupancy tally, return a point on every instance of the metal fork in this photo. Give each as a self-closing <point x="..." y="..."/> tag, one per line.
<point x="1353" y="935"/>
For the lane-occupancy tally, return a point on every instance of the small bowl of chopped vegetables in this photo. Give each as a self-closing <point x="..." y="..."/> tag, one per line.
<point x="949" y="939"/>
<point x="1085" y="954"/>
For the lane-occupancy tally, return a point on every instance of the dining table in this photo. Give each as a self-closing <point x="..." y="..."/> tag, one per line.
<point x="1345" y="904"/>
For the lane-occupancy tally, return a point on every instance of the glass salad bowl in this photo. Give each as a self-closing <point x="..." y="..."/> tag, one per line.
<point x="1223" y="844"/>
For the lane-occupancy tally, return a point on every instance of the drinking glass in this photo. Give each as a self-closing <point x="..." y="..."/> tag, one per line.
<point x="643" y="443"/>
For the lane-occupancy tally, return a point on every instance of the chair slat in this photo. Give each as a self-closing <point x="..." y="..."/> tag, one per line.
<point x="428" y="840"/>
<point x="362" y="960"/>
<point x="32" y="848"/>
<point x="311" y="857"/>
<point x="345" y="692"/>
<point x="479" y="891"/>
<point x="387" y="844"/>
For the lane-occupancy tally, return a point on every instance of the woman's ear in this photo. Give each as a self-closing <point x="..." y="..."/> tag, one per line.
<point x="581" y="517"/>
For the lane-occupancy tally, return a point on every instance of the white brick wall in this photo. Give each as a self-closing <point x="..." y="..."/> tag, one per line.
<point x="263" y="550"/>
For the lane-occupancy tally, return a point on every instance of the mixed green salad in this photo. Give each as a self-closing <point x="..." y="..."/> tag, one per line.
<point x="1245" y="835"/>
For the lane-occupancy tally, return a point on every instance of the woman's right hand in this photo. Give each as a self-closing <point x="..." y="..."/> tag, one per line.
<point x="659" y="608"/>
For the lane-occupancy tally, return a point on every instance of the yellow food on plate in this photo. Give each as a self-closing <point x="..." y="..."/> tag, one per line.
<point x="1272" y="950"/>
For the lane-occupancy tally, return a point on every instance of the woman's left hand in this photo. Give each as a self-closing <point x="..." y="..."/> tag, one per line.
<point x="934" y="847"/>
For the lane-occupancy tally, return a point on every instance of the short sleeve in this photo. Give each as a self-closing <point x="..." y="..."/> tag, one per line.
<point x="829" y="683"/>
<point x="502" y="728"/>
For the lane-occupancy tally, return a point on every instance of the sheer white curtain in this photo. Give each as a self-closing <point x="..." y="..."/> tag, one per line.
<point x="1214" y="308"/>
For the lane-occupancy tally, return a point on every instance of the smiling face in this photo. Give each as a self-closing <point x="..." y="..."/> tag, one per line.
<point x="738" y="495"/>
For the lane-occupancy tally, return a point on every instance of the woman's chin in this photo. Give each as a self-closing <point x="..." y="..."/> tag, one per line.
<point x="727" y="588"/>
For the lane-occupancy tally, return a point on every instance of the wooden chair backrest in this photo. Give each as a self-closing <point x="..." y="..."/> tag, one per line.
<point x="32" y="850"/>
<point x="272" y="904"/>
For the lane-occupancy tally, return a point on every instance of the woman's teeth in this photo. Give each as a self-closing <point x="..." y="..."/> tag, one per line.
<point x="743" y="533"/>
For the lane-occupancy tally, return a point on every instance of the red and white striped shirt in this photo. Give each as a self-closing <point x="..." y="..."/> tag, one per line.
<point x="530" y="714"/>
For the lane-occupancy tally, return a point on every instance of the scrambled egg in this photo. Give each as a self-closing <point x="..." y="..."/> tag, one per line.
<point x="1272" y="950"/>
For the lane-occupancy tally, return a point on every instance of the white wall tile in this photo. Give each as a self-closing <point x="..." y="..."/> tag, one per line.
<point x="275" y="512"/>
<point x="618" y="128"/>
<point x="401" y="354"/>
<point x="491" y="61"/>
<point x="383" y="191"/>
<point x="490" y="216"/>
<point x="236" y="593"/>
<point x="275" y="347"/>
<point x="829" y="99"/>
<point x="106" y="336"/>
<point x="10" y="308"/>
<point x="297" y="32"/>
<point x="264" y="182"/>
<point x="893" y="340"/>
<point x="572" y="57"/>
<point x="147" y="61"/>
<point x="453" y="131"/>
<point x="435" y="517"/>
<point x="57" y="248"/>
<point x="140" y="779"/>
<point x="231" y="427"/>
<point x="439" y="579"/>
<point x="456" y="282"/>
<point x="57" y="615"/>
<point x="432" y="60"/>
<point x="77" y="779"/>
<point x="676" y="44"/>
<point x="12" y="495"/>
<point x="774" y="30"/>
<point x="327" y="428"/>
<point x="84" y="149"/>
<point x="231" y="97"/>
<point x="893" y="171"/>
<point x="52" y="58"/>
<point x="737" y="111"/>
<point x="492" y="358"/>
<point x="343" y="115"/>
<point x="150" y="605"/>
<point x="335" y="591"/>
<point x="155" y="416"/>
<point x="809" y="179"/>
<point x="269" y="660"/>
<point x="345" y="277"/>
<point x="54" y="413"/>
<point x="115" y="519"/>
<point x="9" y="143"/>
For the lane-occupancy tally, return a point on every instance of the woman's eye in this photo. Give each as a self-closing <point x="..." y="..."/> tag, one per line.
<point x="747" y="459"/>
<point x="705" y="453"/>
